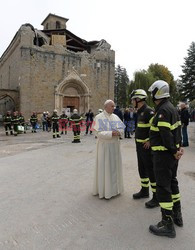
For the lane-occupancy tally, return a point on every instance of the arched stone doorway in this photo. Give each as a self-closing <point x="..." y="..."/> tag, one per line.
<point x="7" y="104"/>
<point x="72" y="93"/>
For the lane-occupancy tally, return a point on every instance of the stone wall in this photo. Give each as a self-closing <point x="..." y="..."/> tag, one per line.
<point x="10" y="67"/>
<point x="47" y="69"/>
<point x="37" y="72"/>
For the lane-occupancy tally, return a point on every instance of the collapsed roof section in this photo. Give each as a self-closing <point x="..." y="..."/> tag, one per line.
<point x="56" y="36"/>
<point x="71" y="42"/>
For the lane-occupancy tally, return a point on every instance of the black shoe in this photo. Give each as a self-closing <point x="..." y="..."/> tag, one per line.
<point x="73" y="141"/>
<point x="62" y="133"/>
<point x="77" y="141"/>
<point x="164" y="228"/>
<point x="6" y="133"/>
<point x="143" y="193"/>
<point x="58" y="136"/>
<point x="152" y="203"/>
<point x="54" y="136"/>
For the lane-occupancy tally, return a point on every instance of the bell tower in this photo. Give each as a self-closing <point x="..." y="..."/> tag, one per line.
<point x="54" y="22"/>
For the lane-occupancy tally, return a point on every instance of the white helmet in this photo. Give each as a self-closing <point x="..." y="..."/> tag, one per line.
<point x="159" y="89"/>
<point x="100" y="110"/>
<point x="55" y="111"/>
<point x="138" y="93"/>
<point x="75" y="111"/>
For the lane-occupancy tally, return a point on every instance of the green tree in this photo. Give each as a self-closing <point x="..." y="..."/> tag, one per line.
<point x="187" y="82"/>
<point x="142" y="80"/>
<point x="160" y="72"/>
<point x="120" y="86"/>
<point x="192" y="104"/>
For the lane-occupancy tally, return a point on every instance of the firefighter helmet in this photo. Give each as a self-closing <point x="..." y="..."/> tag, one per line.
<point x="138" y="93"/>
<point x="75" y="111"/>
<point x="159" y="89"/>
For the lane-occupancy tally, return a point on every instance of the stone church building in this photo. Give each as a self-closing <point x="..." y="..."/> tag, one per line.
<point x="43" y="70"/>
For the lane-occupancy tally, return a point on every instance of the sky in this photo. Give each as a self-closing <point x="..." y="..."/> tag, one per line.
<point x="140" y="32"/>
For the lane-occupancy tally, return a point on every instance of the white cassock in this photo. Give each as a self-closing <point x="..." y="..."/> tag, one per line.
<point x="108" y="179"/>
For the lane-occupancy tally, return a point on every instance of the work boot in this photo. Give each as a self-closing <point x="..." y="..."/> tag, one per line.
<point x="164" y="227"/>
<point x="54" y="136"/>
<point x="6" y="133"/>
<point x="177" y="215"/>
<point x="143" y="193"/>
<point x="153" y="202"/>
<point x="11" y="133"/>
<point x="58" y="136"/>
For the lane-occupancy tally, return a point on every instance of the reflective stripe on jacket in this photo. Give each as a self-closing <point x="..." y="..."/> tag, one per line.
<point x="165" y="130"/>
<point x="144" y="115"/>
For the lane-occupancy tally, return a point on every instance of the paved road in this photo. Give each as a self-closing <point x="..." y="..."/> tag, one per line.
<point x="46" y="201"/>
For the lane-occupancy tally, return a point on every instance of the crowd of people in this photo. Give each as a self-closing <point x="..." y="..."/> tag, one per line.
<point x="14" y="123"/>
<point x="129" y="117"/>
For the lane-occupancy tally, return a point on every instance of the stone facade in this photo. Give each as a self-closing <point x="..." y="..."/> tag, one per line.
<point x="56" y="76"/>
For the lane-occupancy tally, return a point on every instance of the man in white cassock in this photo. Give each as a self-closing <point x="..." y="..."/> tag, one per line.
<point x="108" y="180"/>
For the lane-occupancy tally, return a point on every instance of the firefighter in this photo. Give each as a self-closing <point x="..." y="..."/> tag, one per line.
<point x="76" y="120"/>
<point x="22" y="121"/>
<point x="144" y="156"/>
<point x="100" y="111"/>
<point x="33" y="121"/>
<point x="55" y="124"/>
<point x="15" y="123"/>
<point x="63" y="123"/>
<point x="165" y="140"/>
<point x="7" y="120"/>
